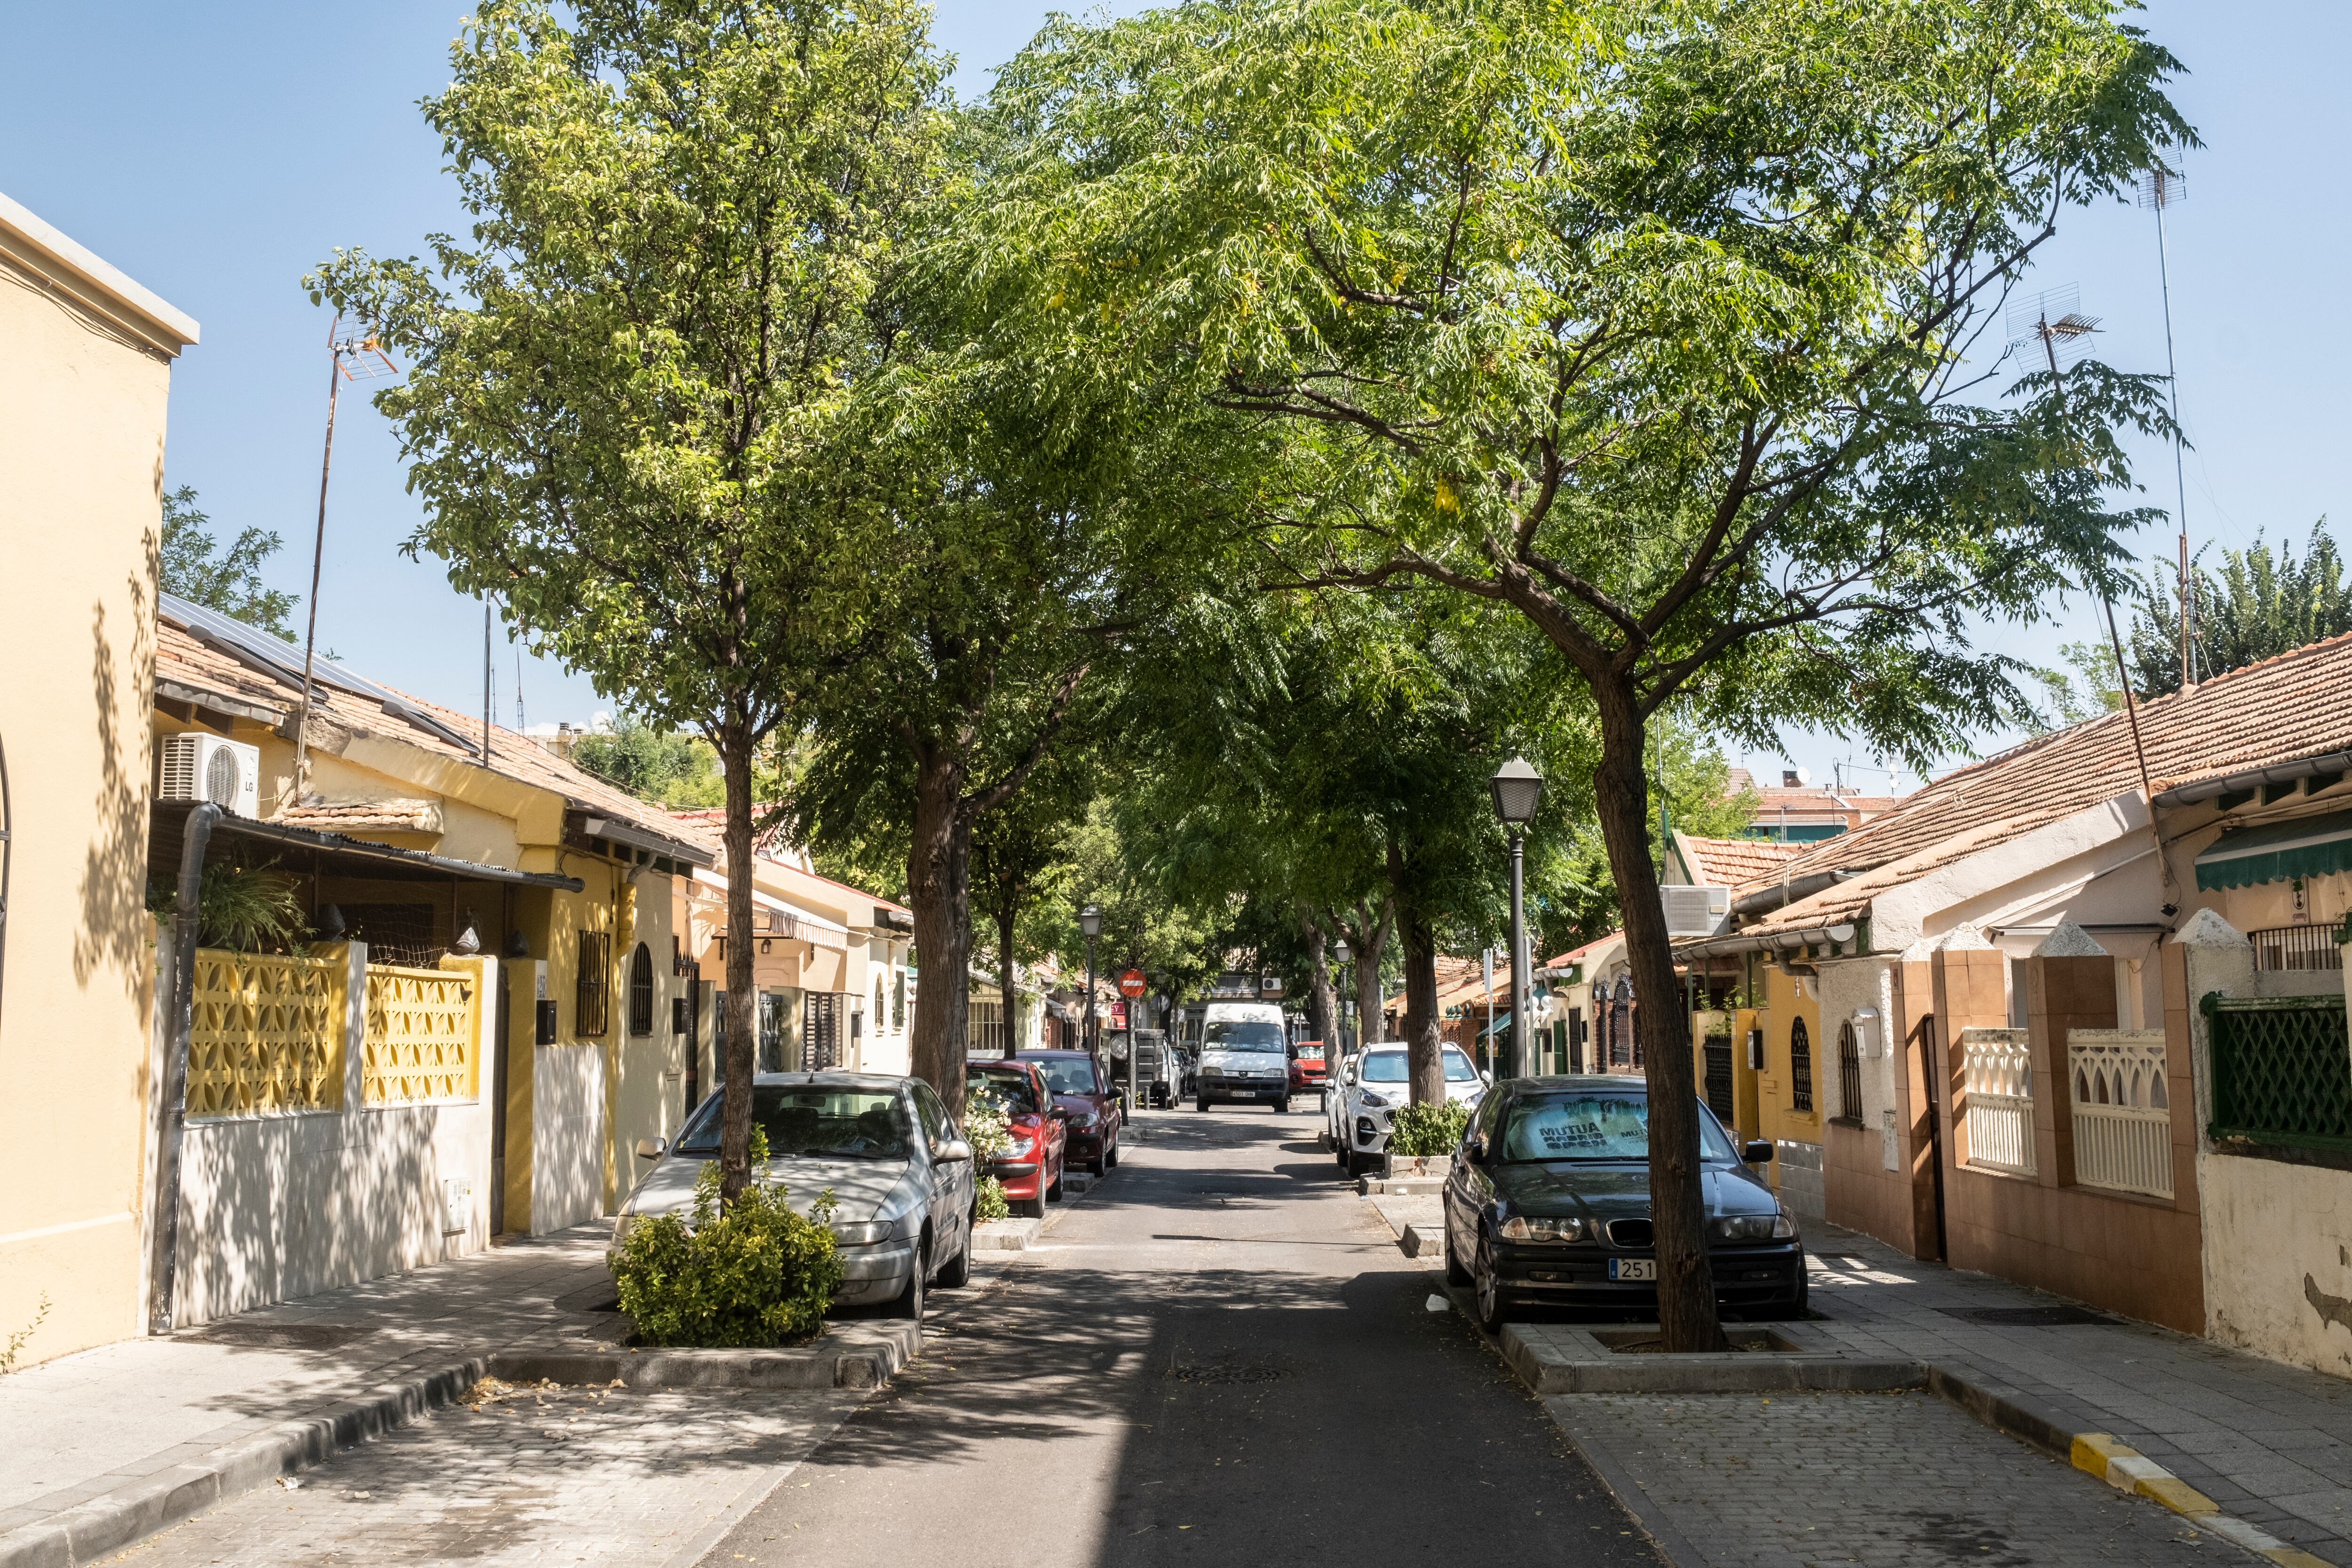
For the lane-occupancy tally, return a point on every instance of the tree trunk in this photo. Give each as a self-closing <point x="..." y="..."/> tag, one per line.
<point x="1322" y="1001"/>
<point x="1424" y="1047"/>
<point x="1368" y="943"/>
<point x="735" y="1114"/>
<point x="1686" y="1309"/>
<point x="1008" y="908"/>
<point x="939" y="889"/>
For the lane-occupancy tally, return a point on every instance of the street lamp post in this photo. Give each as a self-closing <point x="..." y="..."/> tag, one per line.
<point x="1516" y="787"/>
<point x="1332" y="1066"/>
<point x="1091" y="922"/>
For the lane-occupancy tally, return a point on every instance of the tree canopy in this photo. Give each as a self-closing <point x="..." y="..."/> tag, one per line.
<point x="200" y="569"/>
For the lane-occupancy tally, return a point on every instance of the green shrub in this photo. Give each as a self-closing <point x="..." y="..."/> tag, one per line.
<point x="754" y="1275"/>
<point x="1428" y="1129"/>
<point x="989" y="1130"/>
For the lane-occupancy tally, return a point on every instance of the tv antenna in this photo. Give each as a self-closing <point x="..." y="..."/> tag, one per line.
<point x="2053" y="322"/>
<point x="2159" y="188"/>
<point x="354" y="352"/>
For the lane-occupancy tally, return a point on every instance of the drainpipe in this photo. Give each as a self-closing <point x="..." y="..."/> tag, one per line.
<point x="163" y="1262"/>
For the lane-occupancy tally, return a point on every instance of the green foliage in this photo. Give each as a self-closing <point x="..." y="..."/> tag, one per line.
<point x="1431" y="1129"/>
<point x="989" y="1201"/>
<point x="197" y="568"/>
<point x="754" y="1274"/>
<point x="2261" y="604"/>
<point x="1572" y="893"/>
<point x="240" y="907"/>
<point x="680" y="771"/>
<point x="989" y="1130"/>
<point x="18" y="1338"/>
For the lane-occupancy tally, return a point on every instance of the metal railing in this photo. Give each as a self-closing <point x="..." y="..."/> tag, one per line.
<point x="1718" y="1079"/>
<point x="2123" y="1110"/>
<point x="1998" y="1077"/>
<point x="2280" y="948"/>
<point x="2282" y="1070"/>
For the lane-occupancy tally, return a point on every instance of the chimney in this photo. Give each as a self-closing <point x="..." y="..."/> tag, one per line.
<point x="1788" y="778"/>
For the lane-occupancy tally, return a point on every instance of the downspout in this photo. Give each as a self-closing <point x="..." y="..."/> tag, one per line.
<point x="162" y="1263"/>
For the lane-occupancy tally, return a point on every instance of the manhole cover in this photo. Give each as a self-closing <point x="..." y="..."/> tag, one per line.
<point x="1226" y="1373"/>
<point x="2032" y="1317"/>
<point x="279" y="1336"/>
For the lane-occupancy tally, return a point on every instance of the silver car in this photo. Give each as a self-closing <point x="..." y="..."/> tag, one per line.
<point x="898" y="1170"/>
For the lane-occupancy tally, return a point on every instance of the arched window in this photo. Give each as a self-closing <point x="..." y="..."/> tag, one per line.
<point x="1849" y="1073"/>
<point x="640" y="990"/>
<point x="1801" y="1066"/>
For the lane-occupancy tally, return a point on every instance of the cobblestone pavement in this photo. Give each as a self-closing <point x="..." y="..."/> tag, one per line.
<point x="523" y="1476"/>
<point x="1790" y="1480"/>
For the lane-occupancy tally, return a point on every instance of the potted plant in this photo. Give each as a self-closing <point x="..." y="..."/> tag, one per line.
<point x="1423" y="1138"/>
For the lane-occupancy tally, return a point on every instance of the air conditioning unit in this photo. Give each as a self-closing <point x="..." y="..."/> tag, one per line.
<point x="206" y="767"/>
<point x="1696" y="912"/>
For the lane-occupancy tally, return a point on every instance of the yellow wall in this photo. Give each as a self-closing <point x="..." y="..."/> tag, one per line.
<point x="1777" y="1116"/>
<point x="81" y="468"/>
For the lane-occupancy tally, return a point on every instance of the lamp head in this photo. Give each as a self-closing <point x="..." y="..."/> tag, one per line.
<point x="1340" y="947"/>
<point x="1090" y="920"/>
<point x="1516" y="787"/>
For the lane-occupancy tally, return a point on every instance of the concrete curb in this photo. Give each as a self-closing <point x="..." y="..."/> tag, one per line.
<point x="1005" y="1235"/>
<point x="114" y="1518"/>
<point x="866" y="1362"/>
<point x="2101" y="1454"/>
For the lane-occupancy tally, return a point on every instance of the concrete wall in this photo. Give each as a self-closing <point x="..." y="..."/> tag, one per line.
<point x="83" y="384"/>
<point x="1878" y="1171"/>
<point x="567" y="1127"/>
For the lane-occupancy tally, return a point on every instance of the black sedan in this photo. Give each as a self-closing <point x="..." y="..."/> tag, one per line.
<point x="1549" y="1205"/>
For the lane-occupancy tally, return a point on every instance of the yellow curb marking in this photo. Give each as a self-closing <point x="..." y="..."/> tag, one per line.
<point x="2125" y="1468"/>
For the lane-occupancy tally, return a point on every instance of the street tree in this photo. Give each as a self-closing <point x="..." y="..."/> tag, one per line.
<point x="1659" y="324"/>
<point x="1021" y="867"/>
<point x="226" y="577"/>
<point x="623" y="415"/>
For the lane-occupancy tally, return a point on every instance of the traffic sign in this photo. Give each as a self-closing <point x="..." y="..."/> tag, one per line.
<point x="1132" y="982"/>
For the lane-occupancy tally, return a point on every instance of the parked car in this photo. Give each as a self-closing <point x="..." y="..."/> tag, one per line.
<point x="1031" y="1171"/>
<point x="1081" y="1088"/>
<point x="1374" y="1082"/>
<point x="1550" y="1204"/>
<point x="1307" y="1072"/>
<point x="898" y="1167"/>
<point x="1243" y="1056"/>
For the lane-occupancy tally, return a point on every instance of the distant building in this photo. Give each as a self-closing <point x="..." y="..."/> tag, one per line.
<point x="1796" y="812"/>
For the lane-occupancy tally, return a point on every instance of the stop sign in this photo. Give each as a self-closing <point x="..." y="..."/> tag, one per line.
<point x="1132" y="982"/>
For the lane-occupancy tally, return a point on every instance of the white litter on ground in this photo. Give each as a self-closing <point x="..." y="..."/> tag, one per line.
<point x="1438" y="1304"/>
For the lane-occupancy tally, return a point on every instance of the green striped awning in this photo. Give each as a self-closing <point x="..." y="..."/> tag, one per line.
<point x="2276" y="851"/>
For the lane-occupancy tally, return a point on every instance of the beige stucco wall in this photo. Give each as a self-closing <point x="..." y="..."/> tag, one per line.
<point x="2278" y="1279"/>
<point x="81" y="465"/>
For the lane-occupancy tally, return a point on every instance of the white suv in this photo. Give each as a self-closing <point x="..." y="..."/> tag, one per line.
<point x="1376" y="1081"/>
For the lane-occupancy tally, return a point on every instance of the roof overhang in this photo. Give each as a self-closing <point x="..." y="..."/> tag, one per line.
<point x="593" y="825"/>
<point x="355" y="856"/>
<point x="95" y="285"/>
<point x="2335" y="762"/>
<point x="1836" y="935"/>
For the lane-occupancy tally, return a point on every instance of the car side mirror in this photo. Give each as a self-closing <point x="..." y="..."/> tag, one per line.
<point x="1757" y="1151"/>
<point x="651" y="1148"/>
<point x="955" y="1151"/>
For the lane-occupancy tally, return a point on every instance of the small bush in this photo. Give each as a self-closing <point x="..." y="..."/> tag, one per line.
<point x="989" y="1130"/>
<point x="1428" y="1129"/>
<point x="755" y="1274"/>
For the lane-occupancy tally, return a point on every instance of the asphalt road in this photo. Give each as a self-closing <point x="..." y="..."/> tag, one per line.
<point x="1218" y="1357"/>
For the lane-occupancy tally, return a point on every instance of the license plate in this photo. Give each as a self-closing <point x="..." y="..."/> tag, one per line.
<point x="1636" y="1270"/>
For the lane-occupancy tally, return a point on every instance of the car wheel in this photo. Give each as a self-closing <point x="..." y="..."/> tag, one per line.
<point x="1488" y="1288"/>
<point x="957" y="1274"/>
<point x="1282" y="1105"/>
<point x="910" y="1304"/>
<point x="1110" y="1154"/>
<point x="1339" y="1152"/>
<point x="1054" y="1192"/>
<point x="1201" y="1103"/>
<point x="1032" y="1207"/>
<point x="1455" y="1273"/>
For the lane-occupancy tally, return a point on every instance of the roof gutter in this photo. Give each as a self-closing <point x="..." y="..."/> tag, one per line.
<point x="2281" y="772"/>
<point x="1769" y="942"/>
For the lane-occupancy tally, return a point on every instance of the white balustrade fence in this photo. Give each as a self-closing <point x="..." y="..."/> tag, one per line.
<point x="1997" y="1073"/>
<point x="2123" y="1110"/>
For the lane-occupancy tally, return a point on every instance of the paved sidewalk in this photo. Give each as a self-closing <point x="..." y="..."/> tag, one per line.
<point x="2271" y="1443"/>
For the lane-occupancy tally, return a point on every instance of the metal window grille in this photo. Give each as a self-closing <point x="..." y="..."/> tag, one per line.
<point x="1801" y="1066"/>
<point x="821" y="1031"/>
<point x="640" y="990"/>
<point x="899" y="1001"/>
<point x="2282" y="1071"/>
<point x="1620" y="1030"/>
<point x="983" y="1028"/>
<point x="1718" y="1079"/>
<point x="1849" y="1074"/>
<point x="1576" y="1033"/>
<point x="2280" y="948"/>
<point x="592" y="993"/>
<point x="774" y="1007"/>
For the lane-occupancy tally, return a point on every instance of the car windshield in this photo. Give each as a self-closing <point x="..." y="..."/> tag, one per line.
<point x="821" y="1121"/>
<point x="1068" y="1074"/>
<point x="1601" y="1126"/>
<point x="1241" y="1034"/>
<point x="1312" y="1051"/>
<point x="1011" y="1089"/>
<point x="1390" y="1066"/>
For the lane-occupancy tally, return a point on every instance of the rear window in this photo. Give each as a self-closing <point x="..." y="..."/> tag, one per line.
<point x="1069" y="1075"/>
<point x="1013" y="1091"/>
<point x="813" y="1119"/>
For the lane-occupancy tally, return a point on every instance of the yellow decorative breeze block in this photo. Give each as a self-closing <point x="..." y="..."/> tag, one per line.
<point x="421" y="1028"/>
<point x="266" y="1035"/>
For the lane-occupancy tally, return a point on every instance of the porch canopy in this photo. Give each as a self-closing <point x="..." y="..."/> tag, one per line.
<point x="2277" y="852"/>
<point x="320" y="851"/>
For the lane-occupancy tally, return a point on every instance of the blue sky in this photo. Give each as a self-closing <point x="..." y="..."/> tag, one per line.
<point x="215" y="153"/>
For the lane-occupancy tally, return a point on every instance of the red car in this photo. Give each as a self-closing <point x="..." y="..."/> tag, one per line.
<point x="1309" y="1074"/>
<point x="1081" y="1088"/>
<point x="1031" y="1171"/>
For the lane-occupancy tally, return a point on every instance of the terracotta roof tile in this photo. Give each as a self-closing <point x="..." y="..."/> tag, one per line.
<point x="1729" y="862"/>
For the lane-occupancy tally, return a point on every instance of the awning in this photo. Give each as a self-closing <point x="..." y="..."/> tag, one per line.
<point x="2276" y="851"/>
<point x="350" y="856"/>
<point x="1501" y="1026"/>
<point x="775" y="918"/>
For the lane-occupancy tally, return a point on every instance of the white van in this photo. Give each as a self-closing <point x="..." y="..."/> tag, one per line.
<point x="1244" y="1055"/>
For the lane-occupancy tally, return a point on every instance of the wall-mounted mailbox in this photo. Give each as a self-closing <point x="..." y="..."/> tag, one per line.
<point x="546" y="1032"/>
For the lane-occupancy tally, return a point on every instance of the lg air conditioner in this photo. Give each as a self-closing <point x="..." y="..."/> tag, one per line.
<point x="206" y="767"/>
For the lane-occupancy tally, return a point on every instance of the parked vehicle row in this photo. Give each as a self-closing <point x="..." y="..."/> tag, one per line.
<point x="900" y="1172"/>
<point x="1372" y="1084"/>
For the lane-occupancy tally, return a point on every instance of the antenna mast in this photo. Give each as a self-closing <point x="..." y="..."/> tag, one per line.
<point x="2159" y="188"/>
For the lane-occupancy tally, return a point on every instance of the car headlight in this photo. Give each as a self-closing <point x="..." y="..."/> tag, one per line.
<point x="1375" y="1101"/>
<point x="1539" y="1227"/>
<point x="1754" y="1227"/>
<point x="863" y="1233"/>
<point x="1021" y="1145"/>
<point x="1212" y="1072"/>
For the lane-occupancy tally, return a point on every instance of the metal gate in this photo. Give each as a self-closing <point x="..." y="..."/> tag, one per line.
<point x="821" y="1031"/>
<point x="1718" y="1079"/>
